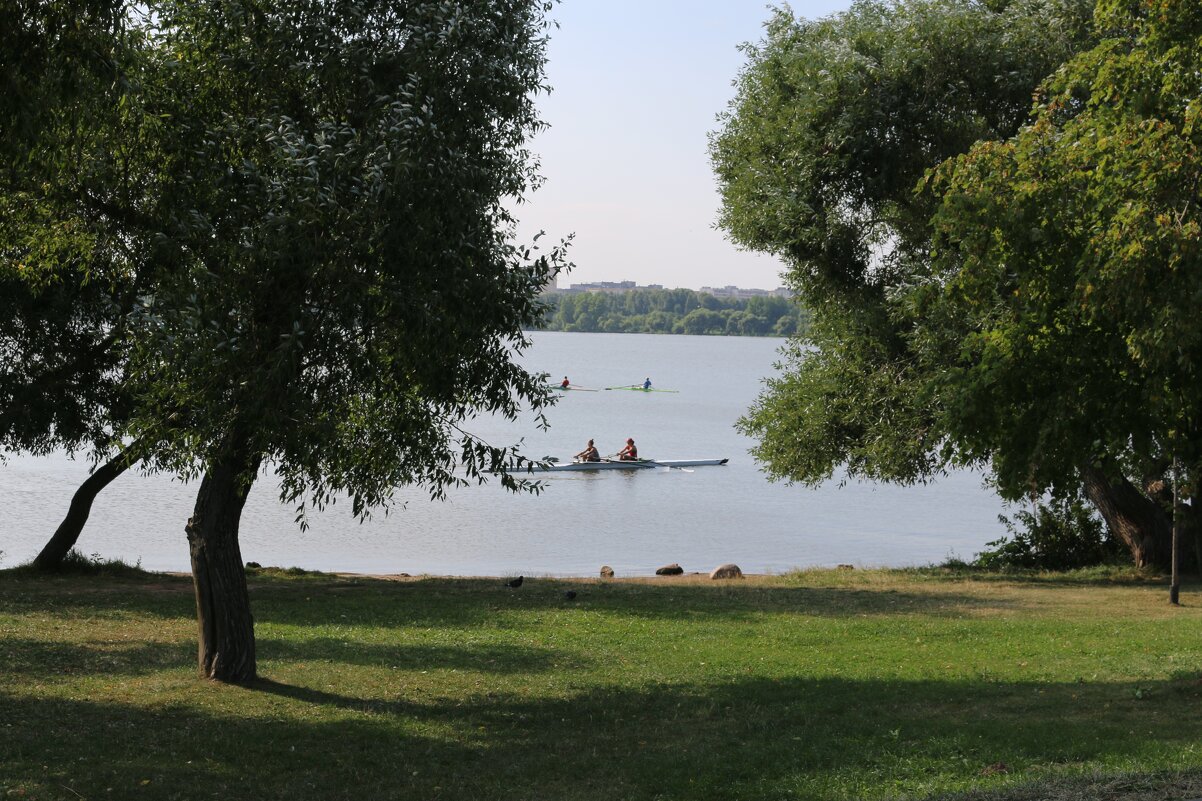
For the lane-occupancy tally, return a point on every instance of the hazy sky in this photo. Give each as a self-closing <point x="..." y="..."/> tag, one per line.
<point x="638" y="86"/>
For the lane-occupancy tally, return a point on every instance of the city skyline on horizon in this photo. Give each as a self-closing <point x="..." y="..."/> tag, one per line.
<point x="627" y="284"/>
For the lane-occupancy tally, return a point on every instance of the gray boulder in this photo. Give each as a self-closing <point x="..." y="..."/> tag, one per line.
<point x="727" y="571"/>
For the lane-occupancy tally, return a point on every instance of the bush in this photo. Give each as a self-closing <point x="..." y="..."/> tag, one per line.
<point x="79" y="564"/>
<point x="1061" y="534"/>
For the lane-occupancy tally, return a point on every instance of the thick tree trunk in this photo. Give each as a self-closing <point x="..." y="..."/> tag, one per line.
<point x="1131" y="516"/>
<point x="68" y="531"/>
<point x="226" y="627"/>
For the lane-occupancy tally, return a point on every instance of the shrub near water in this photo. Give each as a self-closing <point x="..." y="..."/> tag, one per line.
<point x="1062" y="534"/>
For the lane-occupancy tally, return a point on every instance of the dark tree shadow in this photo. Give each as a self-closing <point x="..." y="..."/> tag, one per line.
<point x="33" y="658"/>
<point x="477" y="657"/>
<point x="443" y="602"/>
<point x="748" y="739"/>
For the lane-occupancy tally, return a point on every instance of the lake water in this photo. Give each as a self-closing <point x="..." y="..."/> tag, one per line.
<point x="632" y="521"/>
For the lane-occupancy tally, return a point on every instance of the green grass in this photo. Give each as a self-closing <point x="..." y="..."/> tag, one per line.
<point x="819" y="685"/>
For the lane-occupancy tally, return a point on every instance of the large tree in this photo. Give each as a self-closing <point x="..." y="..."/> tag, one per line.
<point x="331" y="285"/>
<point x="834" y="123"/>
<point x="1061" y="312"/>
<point x="948" y="341"/>
<point x="834" y="126"/>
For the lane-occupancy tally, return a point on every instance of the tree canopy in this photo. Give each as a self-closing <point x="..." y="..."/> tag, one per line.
<point x="1066" y="270"/>
<point x="834" y="123"/>
<point x="1008" y="291"/>
<point x="67" y="274"/>
<point x="315" y="225"/>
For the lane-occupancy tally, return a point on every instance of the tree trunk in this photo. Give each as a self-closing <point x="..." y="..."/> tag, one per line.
<point x="1131" y="516"/>
<point x="68" y="531"/>
<point x="226" y="627"/>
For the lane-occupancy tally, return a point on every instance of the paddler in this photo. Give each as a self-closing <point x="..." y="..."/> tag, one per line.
<point x="589" y="454"/>
<point x="629" y="453"/>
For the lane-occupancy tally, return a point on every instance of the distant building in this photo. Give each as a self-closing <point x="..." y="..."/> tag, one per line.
<point x="618" y="287"/>
<point x="615" y="287"/>
<point x="744" y="294"/>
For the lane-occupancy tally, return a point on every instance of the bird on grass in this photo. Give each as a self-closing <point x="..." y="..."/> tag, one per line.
<point x="569" y="595"/>
<point x="513" y="584"/>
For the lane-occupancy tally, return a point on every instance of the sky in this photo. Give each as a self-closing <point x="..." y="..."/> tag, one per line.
<point x="637" y="88"/>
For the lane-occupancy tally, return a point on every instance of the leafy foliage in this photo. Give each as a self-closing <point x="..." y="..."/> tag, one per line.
<point x="72" y="144"/>
<point x="314" y="250"/>
<point x="1031" y="306"/>
<point x="286" y="234"/>
<point x="835" y="123"/>
<point x="54" y="51"/>
<point x="673" y="311"/>
<point x="1067" y="264"/>
<point x="1059" y="534"/>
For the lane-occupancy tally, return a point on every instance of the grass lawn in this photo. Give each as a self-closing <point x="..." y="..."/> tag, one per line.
<point x="819" y="685"/>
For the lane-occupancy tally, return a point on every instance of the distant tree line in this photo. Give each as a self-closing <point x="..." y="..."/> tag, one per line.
<point x="674" y="311"/>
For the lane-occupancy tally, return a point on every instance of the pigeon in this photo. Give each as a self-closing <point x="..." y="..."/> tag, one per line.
<point x="569" y="595"/>
<point x="514" y="583"/>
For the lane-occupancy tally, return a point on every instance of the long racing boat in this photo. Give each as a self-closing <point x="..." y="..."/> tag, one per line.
<point x="641" y="464"/>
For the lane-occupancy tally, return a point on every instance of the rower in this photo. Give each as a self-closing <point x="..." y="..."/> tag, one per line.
<point x="647" y="383"/>
<point x="629" y="453"/>
<point x="589" y="454"/>
<point x="564" y="384"/>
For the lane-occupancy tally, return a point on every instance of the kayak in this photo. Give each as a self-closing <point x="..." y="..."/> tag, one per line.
<point x="641" y="464"/>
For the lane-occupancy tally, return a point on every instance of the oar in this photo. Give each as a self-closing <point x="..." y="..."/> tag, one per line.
<point x="633" y="462"/>
<point x="646" y="463"/>
<point x="641" y="389"/>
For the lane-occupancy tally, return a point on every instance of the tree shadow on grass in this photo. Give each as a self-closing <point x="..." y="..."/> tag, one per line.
<point x="53" y="658"/>
<point x="458" y="602"/>
<point x="468" y="602"/>
<point x="87" y="596"/>
<point x="25" y="658"/>
<point x="753" y="739"/>
<point x="476" y="657"/>
<point x="309" y="695"/>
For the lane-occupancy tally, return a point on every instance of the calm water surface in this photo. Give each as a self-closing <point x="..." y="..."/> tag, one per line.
<point x="632" y="521"/>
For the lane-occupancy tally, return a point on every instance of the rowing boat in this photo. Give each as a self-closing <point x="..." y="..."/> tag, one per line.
<point x="641" y="464"/>
<point x="643" y="389"/>
<point x="562" y="388"/>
